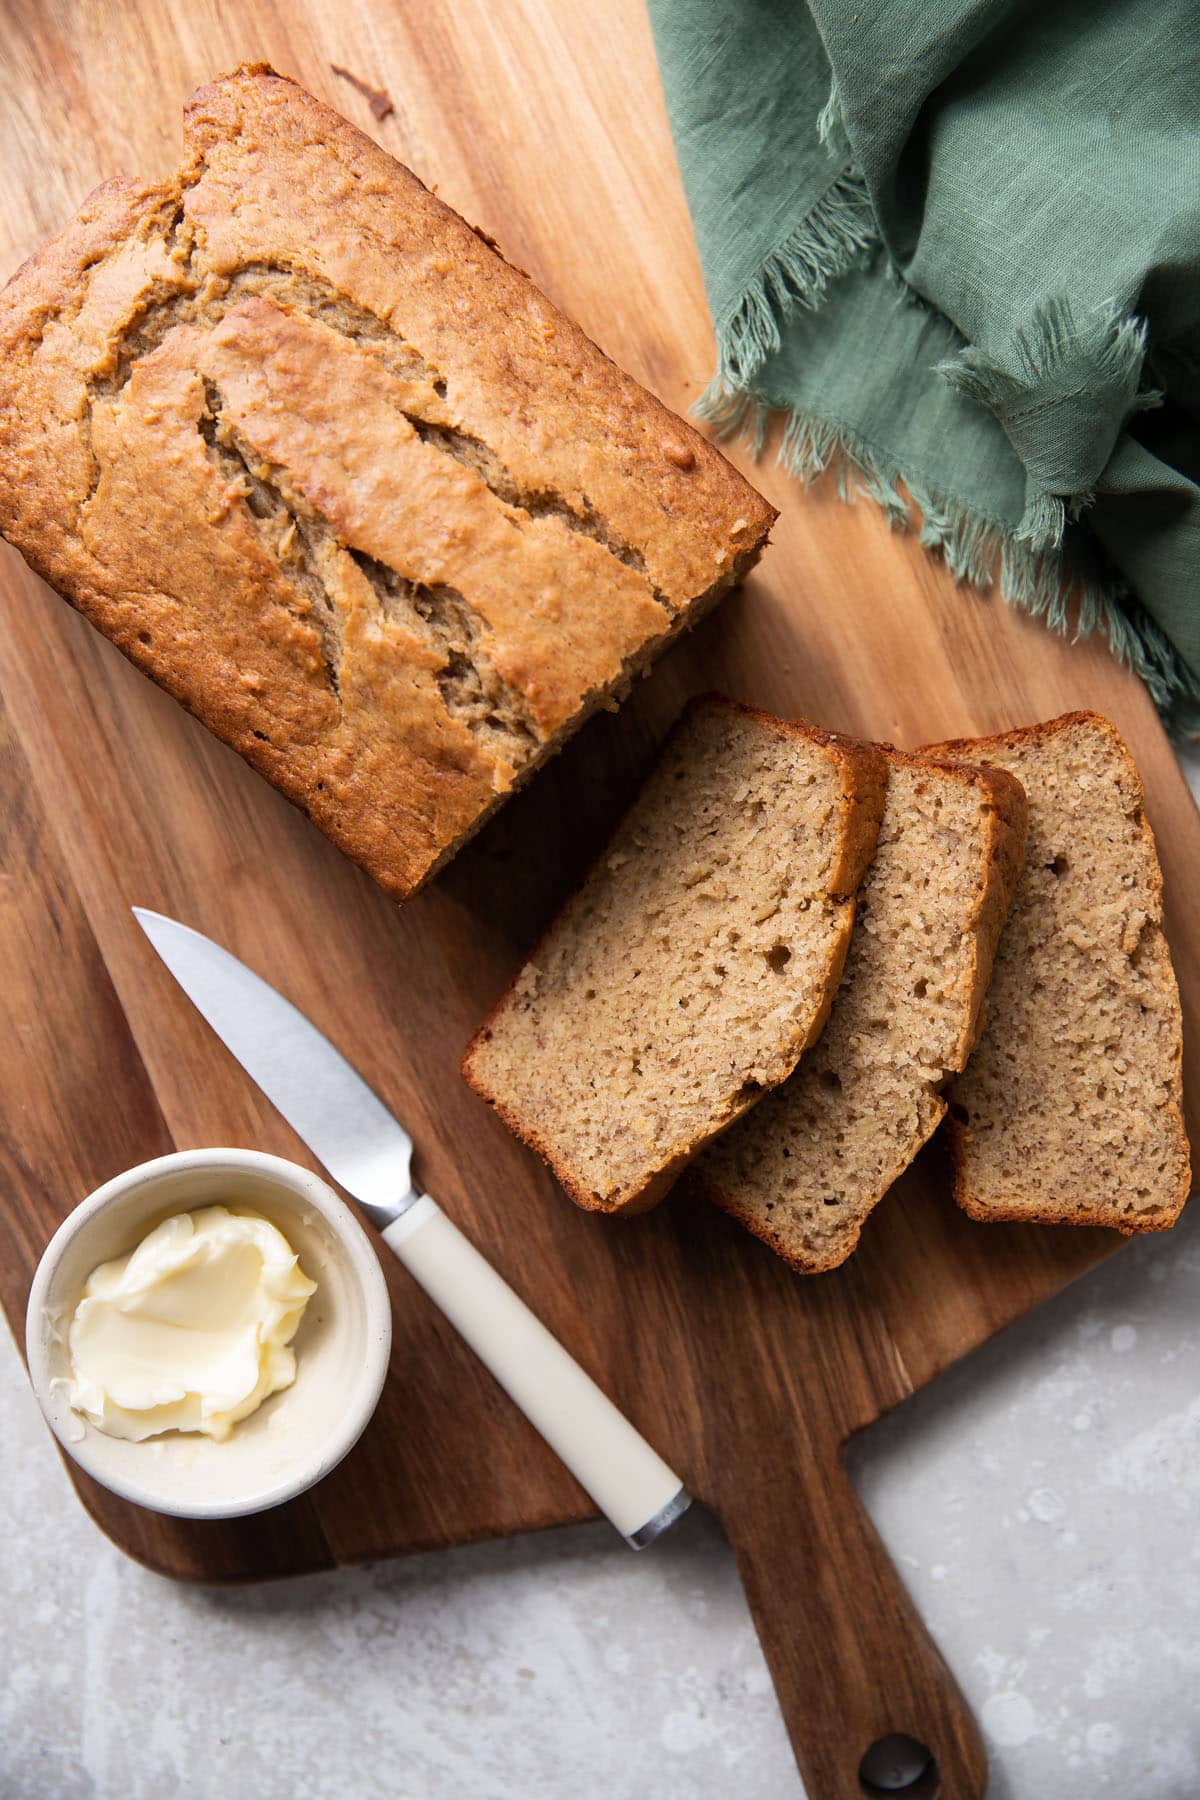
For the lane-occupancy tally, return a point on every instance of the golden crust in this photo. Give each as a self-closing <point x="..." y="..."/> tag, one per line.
<point x="317" y="459"/>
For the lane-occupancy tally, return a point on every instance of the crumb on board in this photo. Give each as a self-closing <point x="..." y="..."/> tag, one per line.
<point x="378" y="99"/>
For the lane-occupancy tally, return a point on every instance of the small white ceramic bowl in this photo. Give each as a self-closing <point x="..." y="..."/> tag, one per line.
<point x="341" y="1348"/>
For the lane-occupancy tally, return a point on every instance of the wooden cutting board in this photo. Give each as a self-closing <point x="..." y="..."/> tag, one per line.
<point x="542" y="122"/>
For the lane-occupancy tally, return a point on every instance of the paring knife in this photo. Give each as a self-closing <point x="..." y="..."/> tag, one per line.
<point x="348" y="1128"/>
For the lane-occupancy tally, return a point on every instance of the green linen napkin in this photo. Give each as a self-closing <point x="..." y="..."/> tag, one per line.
<point x="957" y="244"/>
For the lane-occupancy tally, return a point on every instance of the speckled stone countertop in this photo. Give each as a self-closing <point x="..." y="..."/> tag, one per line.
<point x="1041" y="1500"/>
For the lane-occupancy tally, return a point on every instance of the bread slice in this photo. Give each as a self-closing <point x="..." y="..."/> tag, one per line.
<point x="1071" y="1107"/>
<point x="806" y="1167"/>
<point x="696" y="963"/>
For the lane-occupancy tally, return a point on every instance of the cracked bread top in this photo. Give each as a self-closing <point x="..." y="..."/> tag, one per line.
<point x="697" y="961"/>
<point x="1070" y="1109"/>
<point x="342" y="480"/>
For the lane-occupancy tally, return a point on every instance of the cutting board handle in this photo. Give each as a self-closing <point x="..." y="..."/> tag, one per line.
<point x="852" y="1662"/>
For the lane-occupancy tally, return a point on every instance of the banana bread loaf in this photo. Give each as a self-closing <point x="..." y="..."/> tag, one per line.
<point x="316" y="458"/>
<point x="1070" y="1110"/>
<point x="805" y="1168"/>
<point x="696" y="963"/>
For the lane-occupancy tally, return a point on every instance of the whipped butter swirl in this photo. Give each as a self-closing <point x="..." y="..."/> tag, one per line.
<point x="190" y="1332"/>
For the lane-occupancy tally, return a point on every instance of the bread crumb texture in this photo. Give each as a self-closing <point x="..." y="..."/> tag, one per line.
<point x="1071" y="1107"/>
<point x="807" y="1166"/>
<point x="316" y="458"/>
<point x="696" y="963"/>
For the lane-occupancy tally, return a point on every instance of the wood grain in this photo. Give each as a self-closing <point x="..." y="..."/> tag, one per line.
<point x="543" y="123"/>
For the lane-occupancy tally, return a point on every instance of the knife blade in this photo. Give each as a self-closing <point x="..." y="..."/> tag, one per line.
<point x="368" y="1153"/>
<point x="324" y="1100"/>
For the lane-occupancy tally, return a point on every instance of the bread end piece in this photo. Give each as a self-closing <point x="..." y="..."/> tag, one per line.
<point x="1071" y="1110"/>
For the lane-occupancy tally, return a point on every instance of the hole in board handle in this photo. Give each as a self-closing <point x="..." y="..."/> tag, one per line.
<point x="898" y="1764"/>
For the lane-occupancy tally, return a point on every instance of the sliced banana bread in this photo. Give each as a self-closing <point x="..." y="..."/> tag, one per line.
<point x="696" y="963"/>
<point x="1071" y="1107"/>
<point x="806" y="1167"/>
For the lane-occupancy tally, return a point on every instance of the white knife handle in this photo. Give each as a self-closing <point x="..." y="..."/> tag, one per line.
<point x="630" y="1482"/>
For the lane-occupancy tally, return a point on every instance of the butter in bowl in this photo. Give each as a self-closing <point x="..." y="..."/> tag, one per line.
<point x="208" y="1334"/>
